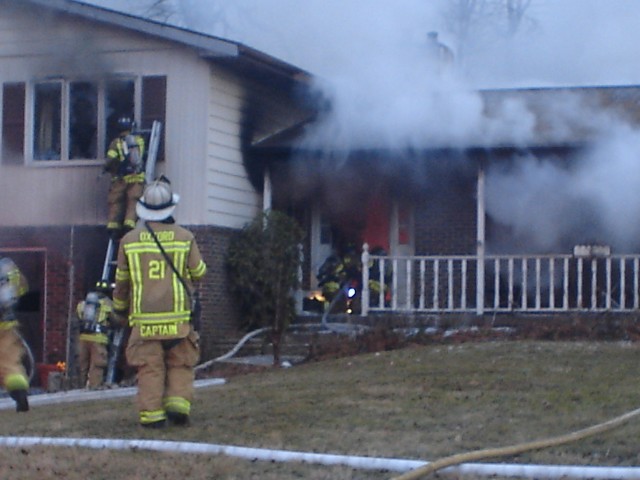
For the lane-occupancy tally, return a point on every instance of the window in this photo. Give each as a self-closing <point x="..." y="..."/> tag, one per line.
<point x="72" y="121"/>
<point x="71" y="110"/>
<point x="83" y="120"/>
<point x="47" y="121"/>
<point x="13" y="123"/>
<point x="119" y="102"/>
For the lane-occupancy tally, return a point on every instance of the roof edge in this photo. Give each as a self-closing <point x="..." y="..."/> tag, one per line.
<point x="212" y="46"/>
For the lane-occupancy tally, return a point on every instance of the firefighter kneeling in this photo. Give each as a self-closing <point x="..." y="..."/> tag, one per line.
<point x="338" y="272"/>
<point x="94" y="314"/>
<point x="12" y="373"/>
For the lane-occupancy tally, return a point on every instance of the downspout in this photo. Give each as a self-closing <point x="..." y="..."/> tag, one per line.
<point x="71" y="297"/>
<point x="480" y="239"/>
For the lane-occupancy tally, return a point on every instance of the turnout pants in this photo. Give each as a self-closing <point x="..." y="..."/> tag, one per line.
<point x="93" y="361"/>
<point x="12" y="373"/>
<point x="165" y="376"/>
<point x="122" y="200"/>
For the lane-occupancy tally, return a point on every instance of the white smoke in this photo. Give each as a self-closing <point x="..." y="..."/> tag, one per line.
<point x="550" y="204"/>
<point x="370" y="60"/>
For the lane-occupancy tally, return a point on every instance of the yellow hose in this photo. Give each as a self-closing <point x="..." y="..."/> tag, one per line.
<point x="459" y="458"/>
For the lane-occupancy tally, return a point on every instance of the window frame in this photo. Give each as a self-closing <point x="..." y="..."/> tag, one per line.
<point x="65" y="111"/>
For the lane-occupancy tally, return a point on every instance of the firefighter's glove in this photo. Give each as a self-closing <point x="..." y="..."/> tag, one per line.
<point x="118" y="318"/>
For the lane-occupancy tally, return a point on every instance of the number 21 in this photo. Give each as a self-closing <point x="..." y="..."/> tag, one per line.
<point x="156" y="269"/>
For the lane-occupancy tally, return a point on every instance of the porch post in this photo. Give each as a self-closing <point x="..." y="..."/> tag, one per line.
<point x="267" y="192"/>
<point x="364" y="307"/>
<point x="480" y="241"/>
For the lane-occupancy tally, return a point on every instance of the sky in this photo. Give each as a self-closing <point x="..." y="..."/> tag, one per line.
<point x="369" y="57"/>
<point x="559" y="41"/>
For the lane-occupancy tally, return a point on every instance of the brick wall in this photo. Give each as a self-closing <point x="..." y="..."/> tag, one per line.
<point x="219" y="314"/>
<point x="71" y="256"/>
<point x="445" y="221"/>
<point x="72" y="262"/>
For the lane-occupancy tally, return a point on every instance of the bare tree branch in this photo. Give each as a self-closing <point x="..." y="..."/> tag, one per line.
<point x="470" y="21"/>
<point x="160" y="10"/>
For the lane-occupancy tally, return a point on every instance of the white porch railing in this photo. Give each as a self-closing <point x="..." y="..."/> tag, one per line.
<point x="511" y="283"/>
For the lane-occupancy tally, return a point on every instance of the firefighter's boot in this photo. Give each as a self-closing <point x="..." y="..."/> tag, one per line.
<point x="20" y="397"/>
<point x="177" y="418"/>
<point x="155" y="425"/>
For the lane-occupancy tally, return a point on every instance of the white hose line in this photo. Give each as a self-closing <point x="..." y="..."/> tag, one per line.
<point x="341" y="328"/>
<point x="366" y="463"/>
<point x="29" y="354"/>
<point x="234" y="350"/>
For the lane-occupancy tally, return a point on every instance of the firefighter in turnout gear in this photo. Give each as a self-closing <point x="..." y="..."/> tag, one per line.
<point x="94" y="315"/>
<point x="157" y="263"/>
<point x="12" y="373"/>
<point x="125" y="164"/>
<point x="338" y="270"/>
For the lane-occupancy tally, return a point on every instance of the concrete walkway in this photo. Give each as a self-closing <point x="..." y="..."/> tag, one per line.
<point x="81" y="395"/>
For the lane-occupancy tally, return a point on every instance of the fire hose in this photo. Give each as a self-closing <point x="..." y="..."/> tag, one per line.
<point x="234" y="350"/>
<point x="324" y="324"/>
<point x="476" y="455"/>
<point x="348" y="292"/>
<point x="30" y="364"/>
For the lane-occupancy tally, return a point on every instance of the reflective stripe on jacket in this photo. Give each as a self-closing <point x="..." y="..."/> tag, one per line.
<point x="146" y="286"/>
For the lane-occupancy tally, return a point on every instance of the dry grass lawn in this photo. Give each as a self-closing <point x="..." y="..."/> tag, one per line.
<point x="419" y="402"/>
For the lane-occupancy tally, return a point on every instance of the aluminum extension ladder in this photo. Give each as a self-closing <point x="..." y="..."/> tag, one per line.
<point x="110" y="260"/>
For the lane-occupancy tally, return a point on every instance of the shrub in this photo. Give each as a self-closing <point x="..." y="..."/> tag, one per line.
<point x="263" y="261"/>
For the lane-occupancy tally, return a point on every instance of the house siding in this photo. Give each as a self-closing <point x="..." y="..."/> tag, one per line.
<point x="69" y="193"/>
<point x="231" y="199"/>
<point x="60" y="209"/>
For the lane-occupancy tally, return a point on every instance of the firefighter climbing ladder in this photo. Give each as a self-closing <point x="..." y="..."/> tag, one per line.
<point x="152" y="154"/>
<point x="110" y="259"/>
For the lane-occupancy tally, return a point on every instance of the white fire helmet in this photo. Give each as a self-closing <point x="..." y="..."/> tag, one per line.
<point x="158" y="201"/>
